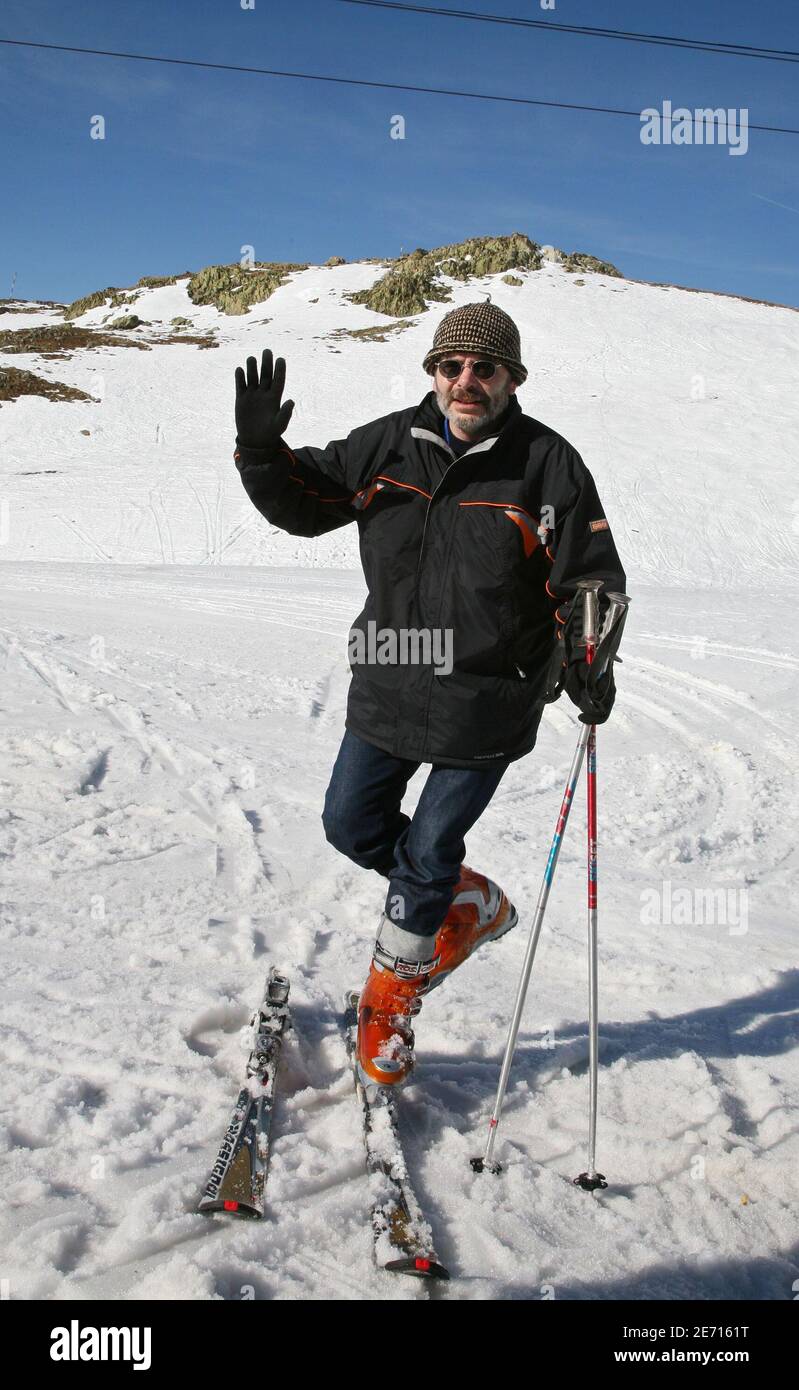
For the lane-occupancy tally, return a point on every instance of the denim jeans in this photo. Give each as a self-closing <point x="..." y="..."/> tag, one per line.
<point x="420" y="855"/>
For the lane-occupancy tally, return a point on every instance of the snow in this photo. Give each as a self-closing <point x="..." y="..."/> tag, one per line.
<point x="174" y="685"/>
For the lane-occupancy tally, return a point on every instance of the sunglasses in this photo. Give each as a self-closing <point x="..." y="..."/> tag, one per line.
<point x="483" y="370"/>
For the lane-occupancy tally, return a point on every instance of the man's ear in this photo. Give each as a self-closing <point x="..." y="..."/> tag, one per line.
<point x="512" y="386"/>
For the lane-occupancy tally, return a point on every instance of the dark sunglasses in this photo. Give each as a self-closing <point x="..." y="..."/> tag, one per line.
<point x="483" y="370"/>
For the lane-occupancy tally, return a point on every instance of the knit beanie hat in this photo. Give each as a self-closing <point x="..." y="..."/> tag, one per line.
<point x="474" y="328"/>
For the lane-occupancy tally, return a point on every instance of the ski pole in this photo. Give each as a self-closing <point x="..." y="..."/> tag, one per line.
<point x="591" y="587"/>
<point x="590" y="1180"/>
<point x="615" y="613"/>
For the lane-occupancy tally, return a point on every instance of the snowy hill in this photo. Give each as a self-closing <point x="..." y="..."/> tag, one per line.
<point x="174" y="680"/>
<point x="682" y="405"/>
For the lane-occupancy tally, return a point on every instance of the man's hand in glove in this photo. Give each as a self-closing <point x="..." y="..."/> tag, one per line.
<point x="260" y="418"/>
<point x="592" y="694"/>
<point x="594" y="698"/>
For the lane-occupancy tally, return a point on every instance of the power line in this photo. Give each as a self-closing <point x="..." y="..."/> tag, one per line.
<point x="356" y="82"/>
<point x="731" y="50"/>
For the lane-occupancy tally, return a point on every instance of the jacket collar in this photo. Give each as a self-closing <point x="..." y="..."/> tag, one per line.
<point x="428" y="423"/>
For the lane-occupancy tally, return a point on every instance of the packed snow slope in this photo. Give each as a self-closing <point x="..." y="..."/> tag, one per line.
<point x="174" y="681"/>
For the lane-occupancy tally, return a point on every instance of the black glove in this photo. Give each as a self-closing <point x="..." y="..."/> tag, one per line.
<point x="592" y="694"/>
<point x="260" y="418"/>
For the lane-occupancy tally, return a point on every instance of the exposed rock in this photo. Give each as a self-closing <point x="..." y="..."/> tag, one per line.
<point x="60" y="339"/>
<point x="15" y="383"/>
<point x="233" y="288"/>
<point x="155" y="282"/>
<point x="117" y="298"/>
<point x="577" y="260"/>
<point x="415" y="279"/>
<point x="377" y="333"/>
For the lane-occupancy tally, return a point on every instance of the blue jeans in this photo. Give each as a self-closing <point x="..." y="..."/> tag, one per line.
<point x="420" y="856"/>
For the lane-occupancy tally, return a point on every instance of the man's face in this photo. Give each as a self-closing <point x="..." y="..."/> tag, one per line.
<point x="469" y="404"/>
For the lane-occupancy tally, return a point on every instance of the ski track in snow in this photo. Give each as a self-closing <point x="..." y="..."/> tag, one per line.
<point x="162" y="833"/>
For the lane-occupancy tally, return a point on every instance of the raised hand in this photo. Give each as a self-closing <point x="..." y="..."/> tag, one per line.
<point x="260" y="418"/>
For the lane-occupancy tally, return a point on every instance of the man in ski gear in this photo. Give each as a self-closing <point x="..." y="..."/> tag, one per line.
<point x="476" y="523"/>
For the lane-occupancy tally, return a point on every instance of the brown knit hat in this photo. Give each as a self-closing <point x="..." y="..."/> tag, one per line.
<point x="479" y="328"/>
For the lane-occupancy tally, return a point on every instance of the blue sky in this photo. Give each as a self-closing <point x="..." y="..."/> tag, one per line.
<point x="197" y="164"/>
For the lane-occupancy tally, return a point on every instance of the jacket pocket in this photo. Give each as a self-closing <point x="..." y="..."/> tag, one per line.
<point x="479" y="715"/>
<point x="387" y="484"/>
<point x="391" y="515"/>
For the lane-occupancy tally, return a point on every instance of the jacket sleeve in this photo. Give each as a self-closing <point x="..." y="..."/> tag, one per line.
<point x="583" y="546"/>
<point x="306" y="492"/>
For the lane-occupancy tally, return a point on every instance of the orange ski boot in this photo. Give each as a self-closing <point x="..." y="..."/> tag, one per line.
<point x="392" y="996"/>
<point x="479" y="912"/>
<point x="389" y="1000"/>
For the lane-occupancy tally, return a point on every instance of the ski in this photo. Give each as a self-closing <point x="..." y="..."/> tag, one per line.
<point x="236" y="1182"/>
<point x="403" y="1241"/>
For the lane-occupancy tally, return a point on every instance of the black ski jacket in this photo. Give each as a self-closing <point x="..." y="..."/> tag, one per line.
<point x="485" y="546"/>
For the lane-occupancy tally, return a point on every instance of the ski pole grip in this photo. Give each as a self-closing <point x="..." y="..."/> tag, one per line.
<point x="617" y="605"/>
<point x="590" y="588"/>
<point x="615" y="618"/>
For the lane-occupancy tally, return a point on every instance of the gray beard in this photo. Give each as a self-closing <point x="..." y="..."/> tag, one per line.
<point x="473" y="424"/>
